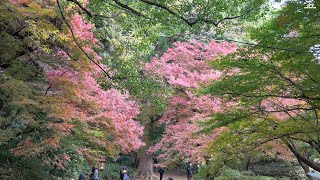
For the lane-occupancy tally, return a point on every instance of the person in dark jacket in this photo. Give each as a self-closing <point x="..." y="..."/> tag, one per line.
<point x="82" y="177"/>
<point x="189" y="171"/>
<point x="123" y="171"/>
<point x="94" y="174"/>
<point x="161" y="172"/>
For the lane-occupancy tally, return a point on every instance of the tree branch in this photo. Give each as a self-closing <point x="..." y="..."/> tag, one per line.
<point x="192" y="22"/>
<point x="257" y="96"/>
<point x="285" y="78"/>
<point x="269" y="95"/>
<point x="77" y="43"/>
<point x="300" y="157"/>
<point x="89" y="13"/>
<point x="130" y="9"/>
<point x="227" y="18"/>
<point x="310" y="142"/>
<point x="271" y="139"/>
<point x="268" y="47"/>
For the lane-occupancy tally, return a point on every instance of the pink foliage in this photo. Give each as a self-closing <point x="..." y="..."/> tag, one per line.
<point x="93" y="104"/>
<point x="186" y="64"/>
<point x="282" y="108"/>
<point x="18" y="1"/>
<point x="182" y="119"/>
<point x="83" y="29"/>
<point x="62" y="54"/>
<point x="186" y="67"/>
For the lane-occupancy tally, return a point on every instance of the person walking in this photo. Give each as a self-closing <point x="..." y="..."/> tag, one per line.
<point x="82" y="177"/>
<point x="94" y="174"/>
<point x="124" y="175"/>
<point x="189" y="171"/>
<point x="161" y="172"/>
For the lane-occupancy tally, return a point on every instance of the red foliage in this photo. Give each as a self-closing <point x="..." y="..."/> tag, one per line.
<point x="186" y="67"/>
<point x="186" y="64"/>
<point x="87" y="101"/>
<point x="283" y="108"/>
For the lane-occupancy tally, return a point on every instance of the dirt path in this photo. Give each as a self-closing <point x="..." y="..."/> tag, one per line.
<point x="174" y="175"/>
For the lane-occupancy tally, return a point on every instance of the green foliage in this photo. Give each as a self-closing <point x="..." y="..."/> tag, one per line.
<point x="112" y="167"/>
<point x="237" y="175"/>
<point x="282" y="67"/>
<point x="30" y="33"/>
<point x="19" y="168"/>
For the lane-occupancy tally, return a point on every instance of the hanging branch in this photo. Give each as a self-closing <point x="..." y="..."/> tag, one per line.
<point x="130" y="9"/>
<point x="192" y="22"/>
<point x="78" y="45"/>
<point x="89" y="13"/>
<point x="267" y="46"/>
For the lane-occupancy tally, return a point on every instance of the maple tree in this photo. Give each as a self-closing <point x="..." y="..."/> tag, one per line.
<point x="61" y="93"/>
<point x="186" y="67"/>
<point x="71" y="79"/>
<point x="277" y="87"/>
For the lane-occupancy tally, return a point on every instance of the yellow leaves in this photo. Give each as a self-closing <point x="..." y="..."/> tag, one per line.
<point x="123" y="15"/>
<point x="23" y="102"/>
<point x="14" y="88"/>
<point x="44" y="34"/>
<point x="33" y="9"/>
<point x="98" y="133"/>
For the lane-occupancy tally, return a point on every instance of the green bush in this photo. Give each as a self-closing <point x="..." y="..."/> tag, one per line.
<point x="112" y="168"/>
<point x="229" y="173"/>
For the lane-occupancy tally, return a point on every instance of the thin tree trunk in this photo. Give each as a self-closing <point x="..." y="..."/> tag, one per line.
<point x="248" y="163"/>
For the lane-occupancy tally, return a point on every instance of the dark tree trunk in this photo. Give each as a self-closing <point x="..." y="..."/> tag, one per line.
<point x="303" y="159"/>
<point x="248" y="163"/>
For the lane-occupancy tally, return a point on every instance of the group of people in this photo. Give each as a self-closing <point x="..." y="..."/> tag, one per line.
<point x="190" y="172"/>
<point x="124" y="175"/>
<point x="95" y="174"/>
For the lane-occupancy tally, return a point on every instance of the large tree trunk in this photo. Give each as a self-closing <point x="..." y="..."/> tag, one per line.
<point x="145" y="167"/>
<point x="144" y="161"/>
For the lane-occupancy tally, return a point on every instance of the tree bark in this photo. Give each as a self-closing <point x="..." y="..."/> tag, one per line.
<point x="145" y="167"/>
<point x="248" y="163"/>
<point x="302" y="158"/>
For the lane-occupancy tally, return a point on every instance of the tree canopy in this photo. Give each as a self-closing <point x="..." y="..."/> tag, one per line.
<point x="81" y="80"/>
